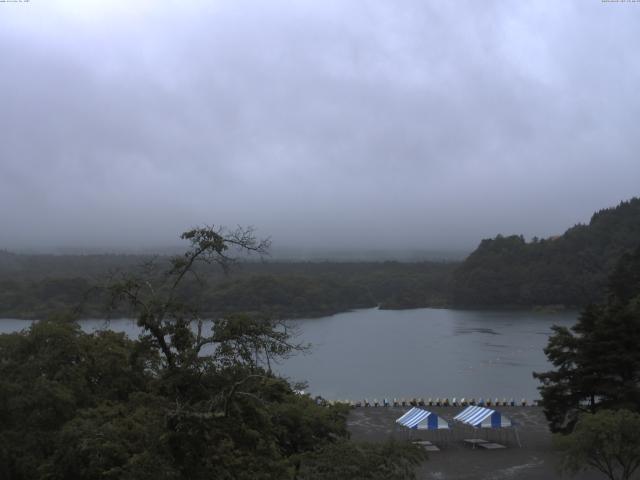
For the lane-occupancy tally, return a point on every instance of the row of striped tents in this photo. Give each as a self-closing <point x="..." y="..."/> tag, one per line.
<point x="482" y="417"/>
<point x="421" y="419"/>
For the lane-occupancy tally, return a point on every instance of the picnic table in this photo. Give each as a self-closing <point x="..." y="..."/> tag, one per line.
<point x="475" y="441"/>
<point x="491" y="445"/>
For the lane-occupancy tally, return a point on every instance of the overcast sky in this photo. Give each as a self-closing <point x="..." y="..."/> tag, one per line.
<point x="356" y="124"/>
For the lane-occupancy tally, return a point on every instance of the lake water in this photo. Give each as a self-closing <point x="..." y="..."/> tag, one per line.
<point x="411" y="353"/>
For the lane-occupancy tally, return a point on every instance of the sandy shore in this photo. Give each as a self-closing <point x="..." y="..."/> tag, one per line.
<point x="456" y="461"/>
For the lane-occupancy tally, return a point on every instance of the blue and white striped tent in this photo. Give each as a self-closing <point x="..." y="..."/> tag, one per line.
<point x="481" y="417"/>
<point x="421" y="419"/>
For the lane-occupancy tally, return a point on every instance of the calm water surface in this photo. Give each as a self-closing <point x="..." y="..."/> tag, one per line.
<point x="424" y="352"/>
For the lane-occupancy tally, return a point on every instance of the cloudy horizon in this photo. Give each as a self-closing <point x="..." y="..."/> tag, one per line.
<point x="338" y="124"/>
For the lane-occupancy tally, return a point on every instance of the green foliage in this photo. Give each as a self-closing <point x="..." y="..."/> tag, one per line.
<point x="362" y="461"/>
<point x="597" y="361"/>
<point x="83" y="406"/>
<point x="187" y="400"/>
<point x="608" y="441"/>
<point x="51" y="373"/>
<point x="569" y="270"/>
<point x="113" y="441"/>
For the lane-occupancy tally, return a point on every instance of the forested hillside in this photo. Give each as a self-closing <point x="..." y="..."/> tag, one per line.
<point x="33" y="286"/>
<point x="569" y="270"/>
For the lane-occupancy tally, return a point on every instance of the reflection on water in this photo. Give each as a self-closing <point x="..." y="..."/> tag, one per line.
<point x="422" y="352"/>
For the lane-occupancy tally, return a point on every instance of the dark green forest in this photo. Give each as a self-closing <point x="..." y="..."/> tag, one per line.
<point x="32" y="286"/>
<point x="569" y="270"/>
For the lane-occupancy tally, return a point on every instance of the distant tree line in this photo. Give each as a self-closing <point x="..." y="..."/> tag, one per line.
<point x="568" y="270"/>
<point x="35" y="286"/>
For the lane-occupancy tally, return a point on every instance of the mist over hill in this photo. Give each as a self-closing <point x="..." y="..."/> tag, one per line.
<point x="506" y="271"/>
<point x="286" y="253"/>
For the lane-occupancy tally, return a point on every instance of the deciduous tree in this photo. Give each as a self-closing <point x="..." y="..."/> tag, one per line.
<point x="608" y="441"/>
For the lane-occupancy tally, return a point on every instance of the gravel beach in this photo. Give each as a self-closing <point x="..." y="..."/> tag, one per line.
<point x="457" y="461"/>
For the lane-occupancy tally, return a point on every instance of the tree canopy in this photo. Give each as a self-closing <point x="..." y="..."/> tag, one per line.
<point x="597" y="361"/>
<point x="608" y="441"/>
<point x="569" y="269"/>
<point x="189" y="399"/>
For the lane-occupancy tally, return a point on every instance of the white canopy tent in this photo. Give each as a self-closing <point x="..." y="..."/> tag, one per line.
<point x="481" y="417"/>
<point x="421" y="419"/>
<point x="486" y="418"/>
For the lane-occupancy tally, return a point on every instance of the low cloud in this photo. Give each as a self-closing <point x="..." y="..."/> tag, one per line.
<point x="345" y="124"/>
